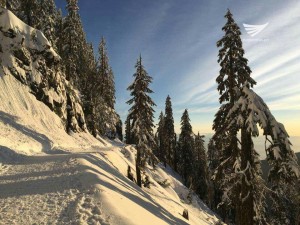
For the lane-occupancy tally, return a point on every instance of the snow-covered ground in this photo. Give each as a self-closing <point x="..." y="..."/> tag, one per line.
<point x="50" y="177"/>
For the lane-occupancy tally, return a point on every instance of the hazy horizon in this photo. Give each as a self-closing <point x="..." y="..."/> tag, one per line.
<point x="259" y="144"/>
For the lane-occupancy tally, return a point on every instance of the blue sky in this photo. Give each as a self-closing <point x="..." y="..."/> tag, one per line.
<point x="177" y="40"/>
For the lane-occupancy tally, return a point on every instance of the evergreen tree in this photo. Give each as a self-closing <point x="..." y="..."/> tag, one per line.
<point x="107" y="85"/>
<point x="234" y="73"/>
<point x="28" y="12"/>
<point x="176" y="157"/>
<point x="141" y="113"/>
<point x="169" y="133"/>
<point x="239" y="173"/>
<point x="13" y="5"/>
<point x="186" y="149"/>
<point x="128" y="131"/>
<point x="89" y="90"/>
<point x="200" y="179"/>
<point x="49" y="21"/>
<point x="213" y="163"/>
<point x="251" y="110"/>
<point x="71" y="46"/>
<point x="161" y="139"/>
<point x="108" y="117"/>
<point x="71" y="41"/>
<point x="119" y="128"/>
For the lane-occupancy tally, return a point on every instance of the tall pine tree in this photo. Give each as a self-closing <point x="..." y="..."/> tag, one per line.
<point x="161" y="139"/>
<point x="108" y="118"/>
<point x="186" y="149"/>
<point x="200" y="177"/>
<point x="239" y="173"/>
<point x="249" y="112"/>
<point x="142" y="114"/>
<point x="71" y="42"/>
<point x="238" y="166"/>
<point x="128" y="131"/>
<point x="170" y="134"/>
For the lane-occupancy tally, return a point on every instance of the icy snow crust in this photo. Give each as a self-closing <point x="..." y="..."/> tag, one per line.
<point x="50" y="177"/>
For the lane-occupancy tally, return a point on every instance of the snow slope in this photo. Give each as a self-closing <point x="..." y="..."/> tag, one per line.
<point x="26" y="54"/>
<point x="28" y="126"/>
<point x="50" y="177"/>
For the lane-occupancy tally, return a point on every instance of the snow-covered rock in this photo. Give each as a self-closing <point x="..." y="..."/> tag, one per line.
<point x="26" y="54"/>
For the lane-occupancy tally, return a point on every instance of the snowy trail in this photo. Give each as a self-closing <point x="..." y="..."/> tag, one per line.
<point x="85" y="188"/>
<point x="47" y="190"/>
<point x="50" y="177"/>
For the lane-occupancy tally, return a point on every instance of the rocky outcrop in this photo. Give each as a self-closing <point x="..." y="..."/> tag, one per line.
<point x="26" y="54"/>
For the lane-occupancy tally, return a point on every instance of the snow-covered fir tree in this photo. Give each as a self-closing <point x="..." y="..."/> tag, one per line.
<point x="161" y="139"/>
<point x="89" y="90"/>
<point x="251" y="111"/>
<point x="128" y="131"/>
<point x="71" y="41"/>
<point x="71" y="46"/>
<point x="141" y="113"/>
<point x="238" y="175"/>
<point x="108" y="118"/>
<point x="213" y="163"/>
<point x="28" y="12"/>
<point x="186" y="149"/>
<point x="200" y="173"/>
<point x="106" y="76"/>
<point x="49" y="21"/>
<point x="170" y="134"/>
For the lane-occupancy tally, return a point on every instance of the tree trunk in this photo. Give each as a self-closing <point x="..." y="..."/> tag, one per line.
<point x="175" y="153"/>
<point x="137" y="166"/>
<point x="245" y="212"/>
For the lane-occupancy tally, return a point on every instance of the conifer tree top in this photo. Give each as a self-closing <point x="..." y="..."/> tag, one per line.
<point x="185" y="122"/>
<point x="234" y="71"/>
<point x="72" y="6"/>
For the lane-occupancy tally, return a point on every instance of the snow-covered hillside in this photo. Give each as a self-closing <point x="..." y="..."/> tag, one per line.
<point x="50" y="177"/>
<point x="26" y="54"/>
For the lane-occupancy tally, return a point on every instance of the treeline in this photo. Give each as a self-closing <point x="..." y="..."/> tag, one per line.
<point x="93" y="78"/>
